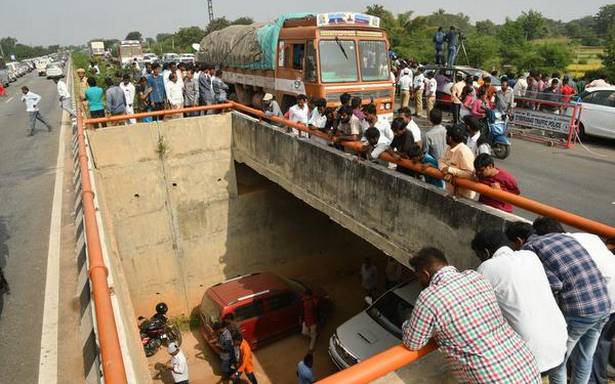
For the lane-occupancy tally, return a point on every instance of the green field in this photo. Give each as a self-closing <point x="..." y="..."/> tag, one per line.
<point x="586" y="59"/>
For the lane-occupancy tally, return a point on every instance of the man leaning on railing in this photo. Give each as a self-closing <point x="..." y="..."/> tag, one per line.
<point x="459" y="311"/>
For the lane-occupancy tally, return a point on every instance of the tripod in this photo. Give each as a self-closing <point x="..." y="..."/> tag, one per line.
<point x="463" y="47"/>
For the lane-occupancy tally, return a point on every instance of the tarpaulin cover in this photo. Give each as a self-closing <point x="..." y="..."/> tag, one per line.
<point x="245" y="46"/>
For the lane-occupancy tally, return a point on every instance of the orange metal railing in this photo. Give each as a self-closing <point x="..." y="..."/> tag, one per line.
<point x="110" y="352"/>
<point x="364" y="372"/>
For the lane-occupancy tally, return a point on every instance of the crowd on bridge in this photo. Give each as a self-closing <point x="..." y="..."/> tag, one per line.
<point x="541" y="300"/>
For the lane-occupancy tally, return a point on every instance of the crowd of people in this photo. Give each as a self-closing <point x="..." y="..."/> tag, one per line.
<point x="157" y="87"/>
<point x="541" y="301"/>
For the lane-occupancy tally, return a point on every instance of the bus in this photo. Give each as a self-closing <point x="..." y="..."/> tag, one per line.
<point x="320" y="55"/>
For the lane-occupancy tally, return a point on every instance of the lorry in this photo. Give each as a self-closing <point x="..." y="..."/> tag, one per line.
<point x="129" y="51"/>
<point x="41" y="65"/>
<point x="320" y="55"/>
<point x="97" y="48"/>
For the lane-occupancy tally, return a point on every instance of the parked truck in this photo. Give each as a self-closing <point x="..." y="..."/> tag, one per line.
<point x="129" y="51"/>
<point x="320" y="55"/>
<point x="97" y="48"/>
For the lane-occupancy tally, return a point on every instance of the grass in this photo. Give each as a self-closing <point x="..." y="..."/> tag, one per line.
<point x="187" y="323"/>
<point x="585" y="59"/>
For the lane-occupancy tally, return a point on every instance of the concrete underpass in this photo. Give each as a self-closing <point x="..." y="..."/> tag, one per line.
<point x="189" y="203"/>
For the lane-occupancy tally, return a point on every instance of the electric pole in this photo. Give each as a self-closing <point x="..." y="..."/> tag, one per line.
<point x="210" y="9"/>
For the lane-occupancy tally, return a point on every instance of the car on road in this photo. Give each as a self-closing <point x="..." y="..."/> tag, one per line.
<point x="54" y="70"/>
<point x="186" y="58"/>
<point x="170" y="58"/>
<point x="375" y="329"/>
<point x="266" y="306"/>
<point x="150" y="58"/>
<point x="598" y="112"/>
<point x="443" y="96"/>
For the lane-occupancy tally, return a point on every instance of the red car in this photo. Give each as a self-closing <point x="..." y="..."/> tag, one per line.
<point x="266" y="306"/>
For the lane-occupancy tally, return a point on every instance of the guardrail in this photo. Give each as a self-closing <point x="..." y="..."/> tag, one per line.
<point x="113" y="368"/>
<point x="378" y="365"/>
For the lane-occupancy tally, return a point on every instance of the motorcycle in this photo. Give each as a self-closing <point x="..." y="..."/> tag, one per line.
<point x="498" y="136"/>
<point x="158" y="331"/>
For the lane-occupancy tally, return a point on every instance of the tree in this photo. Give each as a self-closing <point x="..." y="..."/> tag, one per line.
<point x="135" y="35"/>
<point x="486" y="27"/>
<point x="555" y="57"/>
<point x="533" y="24"/>
<point x="608" y="59"/>
<point x="244" y="20"/>
<point x="217" y="24"/>
<point x="483" y="51"/>
<point x="185" y="37"/>
<point x="605" y="19"/>
<point x="162" y="36"/>
<point x="8" y="45"/>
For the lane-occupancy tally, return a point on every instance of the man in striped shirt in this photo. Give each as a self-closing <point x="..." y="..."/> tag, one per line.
<point x="459" y="311"/>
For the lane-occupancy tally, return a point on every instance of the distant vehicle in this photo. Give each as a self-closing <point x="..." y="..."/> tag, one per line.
<point x="97" y="48"/>
<point x="375" y="329"/>
<point x="4" y="73"/>
<point x="598" y="112"/>
<point x="443" y="96"/>
<point x="150" y="58"/>
<point x="129" y="51"/>
<point x="54" y="70"/>
<point x="266" y="306"/>
<point x="41" y="66"/>
<point x="170" y="58"/>
<point x="186" y="58"/>
<point x="13" y="68"/>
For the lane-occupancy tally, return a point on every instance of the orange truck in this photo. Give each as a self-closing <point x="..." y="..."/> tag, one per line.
<point x="320" y="55"/>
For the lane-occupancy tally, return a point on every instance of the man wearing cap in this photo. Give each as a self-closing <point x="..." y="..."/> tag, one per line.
<point x="178" y="364"/>
<point x="405" y="84"/>
<point x="82" y="86"/>
<point x="271" y="107"/>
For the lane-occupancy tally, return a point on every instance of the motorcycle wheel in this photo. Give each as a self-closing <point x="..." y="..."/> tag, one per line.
<point x="151" y="348"/>
<point x="501" y="151"/>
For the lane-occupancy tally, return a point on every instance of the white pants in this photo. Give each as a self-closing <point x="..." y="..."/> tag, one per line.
<point x="130" y="111"/>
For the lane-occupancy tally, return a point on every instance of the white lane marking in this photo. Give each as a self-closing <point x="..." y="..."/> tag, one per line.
<point x="9" y="100"/>
<point x="48" y="360"/>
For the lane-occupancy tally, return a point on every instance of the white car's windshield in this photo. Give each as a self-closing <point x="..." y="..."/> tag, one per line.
<point x="390" y="311"/>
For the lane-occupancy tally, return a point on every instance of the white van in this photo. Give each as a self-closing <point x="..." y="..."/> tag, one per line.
<point x="375" y="329"/>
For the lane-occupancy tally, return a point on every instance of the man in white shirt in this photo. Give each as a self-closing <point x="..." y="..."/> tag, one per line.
<point x="431" y="86"/>
<point x="32" y="100"/>
<point x="605" y="261"/>
<point x="524" y="296"/>
<point x="175" y="94"/>
<point x="178" y="364"/>
<point x="520" y="87"/>
<point x="405" y="84"/>
<point x="406" y="114"/>
<point x="64" y="97"/>
<point x="418" y="87"/>
<point x="372" y="120"/>
<point x="129" y="92"/>
<point x="374" y="145"/>
<point x="299" y="113"/>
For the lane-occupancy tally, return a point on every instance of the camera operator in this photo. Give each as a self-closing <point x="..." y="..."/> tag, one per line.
<point x="452" y="40"/>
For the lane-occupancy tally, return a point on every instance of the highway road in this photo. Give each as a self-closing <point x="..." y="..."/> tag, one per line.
<point x="27" y="178"/>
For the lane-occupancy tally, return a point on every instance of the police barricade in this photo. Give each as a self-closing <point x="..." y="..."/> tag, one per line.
<point x="547" y="118"/>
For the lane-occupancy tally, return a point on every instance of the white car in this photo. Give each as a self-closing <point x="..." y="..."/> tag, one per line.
<point x="186" y="58"/>
<point x="376" y="329"/>
<point x="150" y="58"/>
<point x="54" y="70"/>
<point x="170" y="58"/>
<point x="598" y="112"/>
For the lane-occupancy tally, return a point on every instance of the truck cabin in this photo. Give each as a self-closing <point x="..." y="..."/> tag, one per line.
<point x="333" y="54"/>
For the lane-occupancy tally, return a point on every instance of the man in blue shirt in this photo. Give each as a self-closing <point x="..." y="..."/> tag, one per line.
<point x="438" y="40"/>
<point x="416" y="155"/>
<point x="158" y="96"/>
<point x="451" y="39"/>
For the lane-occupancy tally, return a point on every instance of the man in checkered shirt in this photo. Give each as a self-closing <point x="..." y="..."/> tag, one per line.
<point x="459" y="311"/>
<point x="580" y="290"/>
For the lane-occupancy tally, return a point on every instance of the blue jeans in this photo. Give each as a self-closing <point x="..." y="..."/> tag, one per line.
<point x="452" y="55"/>
<point x="583" y="334"/>
<point x="601" y="356"/>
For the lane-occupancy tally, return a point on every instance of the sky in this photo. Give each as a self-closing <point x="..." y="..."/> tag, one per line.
<point x="66" y="22"/>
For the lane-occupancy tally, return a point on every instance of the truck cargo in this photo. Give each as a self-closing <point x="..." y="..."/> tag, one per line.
<point x="129" y="51"/>
<point x="97" y="48"/>
<point x="321" y="55"/>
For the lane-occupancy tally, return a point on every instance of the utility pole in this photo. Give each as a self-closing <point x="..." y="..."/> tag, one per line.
<point x="210" y="9"/>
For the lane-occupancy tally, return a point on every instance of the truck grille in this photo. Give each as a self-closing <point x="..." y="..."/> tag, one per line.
<point x="365" y="95"/>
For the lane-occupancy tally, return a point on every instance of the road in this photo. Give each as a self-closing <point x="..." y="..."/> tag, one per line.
<point x="27" y="175"/>
<point x="575" y="179"/>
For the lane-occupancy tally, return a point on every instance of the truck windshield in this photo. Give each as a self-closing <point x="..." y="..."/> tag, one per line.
<point x="338" y="62"/>
<point x="374" y="61"/>
<point x="390" y="311"/>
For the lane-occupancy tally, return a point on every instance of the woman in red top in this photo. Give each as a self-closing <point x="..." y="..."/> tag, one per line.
<point x="488" y="174"/>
